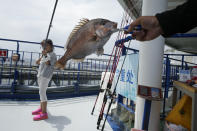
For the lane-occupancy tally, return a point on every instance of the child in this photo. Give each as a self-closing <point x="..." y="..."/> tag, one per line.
<point x="45" y="73"/>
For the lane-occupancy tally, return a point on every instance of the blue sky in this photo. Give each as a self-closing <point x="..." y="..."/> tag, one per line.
<point x="29" y="19"/>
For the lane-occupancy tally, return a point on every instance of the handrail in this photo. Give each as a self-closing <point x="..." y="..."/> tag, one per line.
<point x="67" y="71"/>
<point x="181" y="61"/>
<point x="29" y="42"/>
<point x="180" y="54"/>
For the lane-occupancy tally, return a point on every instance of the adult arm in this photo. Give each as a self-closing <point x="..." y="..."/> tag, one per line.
<point x="179" y="20"/>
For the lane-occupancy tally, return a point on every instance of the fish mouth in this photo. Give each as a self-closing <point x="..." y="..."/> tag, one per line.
<point x="115" y="30"/>
<point x="115" y="25"/>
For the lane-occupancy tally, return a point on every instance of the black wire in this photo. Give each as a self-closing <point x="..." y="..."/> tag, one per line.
<point x="50" y="25"/>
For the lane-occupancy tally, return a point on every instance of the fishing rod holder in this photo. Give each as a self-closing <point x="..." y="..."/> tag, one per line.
<point x="136" y="28"/>
<point x="122" y="41"/>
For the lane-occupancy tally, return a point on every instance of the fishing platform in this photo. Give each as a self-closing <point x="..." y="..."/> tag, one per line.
<point x="72" y="92"/>
<point x="78" y="83"/>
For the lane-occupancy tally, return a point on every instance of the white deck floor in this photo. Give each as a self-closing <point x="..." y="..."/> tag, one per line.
<point x="71" y="114"/>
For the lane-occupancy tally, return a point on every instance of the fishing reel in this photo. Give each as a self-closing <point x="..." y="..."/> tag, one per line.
<point x="119" y="43"/>
<point x="112" y="96"/>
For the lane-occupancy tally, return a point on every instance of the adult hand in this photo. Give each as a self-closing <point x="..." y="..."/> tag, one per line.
<point x="150" y="28"/>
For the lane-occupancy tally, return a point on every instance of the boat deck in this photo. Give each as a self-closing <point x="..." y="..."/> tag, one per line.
<point x="71" y="114"/>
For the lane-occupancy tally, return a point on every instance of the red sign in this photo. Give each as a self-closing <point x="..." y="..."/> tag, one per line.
<point x="3" y="53"/>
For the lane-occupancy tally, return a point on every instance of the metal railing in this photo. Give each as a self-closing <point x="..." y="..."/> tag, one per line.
<point x="22" y="74"/>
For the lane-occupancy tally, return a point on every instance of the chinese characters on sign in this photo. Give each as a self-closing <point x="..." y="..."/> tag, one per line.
<point x="126" y="76"/>
<point x="127" y="83"/>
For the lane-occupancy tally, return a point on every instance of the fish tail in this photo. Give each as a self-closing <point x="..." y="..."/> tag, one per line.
<point x="61" y="63"/>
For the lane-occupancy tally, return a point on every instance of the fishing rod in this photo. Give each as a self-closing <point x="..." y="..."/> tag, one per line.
<point x="50" y="24"/>
<point x="101" y="90"/>
<point x="109" y="84"/>
<point x="107" y="92"/>
<point x="114" y="91"/>
<point x="118" y="43"/>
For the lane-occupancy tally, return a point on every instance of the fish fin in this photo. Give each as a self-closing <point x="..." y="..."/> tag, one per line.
<point x="76" y="28"/>
<point x="100" y="51"/>
<point x="78" y="60"/>
<point x="95" y="37"/>
<point x="60" y="65"/>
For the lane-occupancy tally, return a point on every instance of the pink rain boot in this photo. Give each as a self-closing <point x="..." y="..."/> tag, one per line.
<point x="37" y="112"/>
<point x="41" y="116"/>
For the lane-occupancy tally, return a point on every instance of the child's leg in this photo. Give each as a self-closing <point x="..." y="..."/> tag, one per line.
<point x="44" y="107"/>
<point x="42" y="91"/>
<point x="39" y="80"/>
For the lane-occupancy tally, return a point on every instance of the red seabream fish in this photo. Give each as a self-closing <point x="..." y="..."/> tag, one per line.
<point x="86" y="38"/>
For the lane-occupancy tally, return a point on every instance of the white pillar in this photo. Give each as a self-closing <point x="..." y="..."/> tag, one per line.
<point x="150" y="68"/>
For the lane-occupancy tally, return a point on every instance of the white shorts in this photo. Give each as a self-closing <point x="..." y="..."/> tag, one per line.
<point x="43" y="84"/>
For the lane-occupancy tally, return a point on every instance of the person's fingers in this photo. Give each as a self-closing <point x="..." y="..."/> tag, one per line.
<point x="139" y="35"/>
<point x="134" y="24"/>
<point x="133" y="36"/>
<point x="126" y="32"/>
